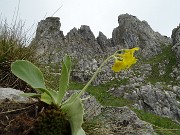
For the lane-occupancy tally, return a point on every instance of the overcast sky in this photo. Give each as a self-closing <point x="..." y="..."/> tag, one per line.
<point x="100" y="15"/>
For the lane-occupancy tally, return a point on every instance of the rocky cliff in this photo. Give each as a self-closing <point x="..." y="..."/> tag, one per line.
<point x="153" y="83"/>
<point x="176" y="42"/>
<point x="131" y="32"/>
<point x="86" y="50"/>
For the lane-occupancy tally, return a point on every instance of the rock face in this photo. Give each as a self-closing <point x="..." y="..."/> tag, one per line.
<point x="13" y="96"/>
<point x="132" y="32"/>
<point x="156" y="98"/>
<point x="48" y="31"/>
<point x="88" y="52"/>
<point x="158" y="101"/>
<point x="124" y="122"/>
<point x="176" y="42"/>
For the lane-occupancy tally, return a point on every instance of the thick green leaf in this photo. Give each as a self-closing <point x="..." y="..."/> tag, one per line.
<point x="64" y="79"/>
<point x="53" y="94"/>
<point x="46" y="98"/>
<point x="73" y="107"/>
<point x="30" y="95"/>
<point x="29" y="73"/>
<point x="67" y="61"/>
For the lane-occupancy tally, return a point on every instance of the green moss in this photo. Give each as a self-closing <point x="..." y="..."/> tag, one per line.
<point x="52" y="121"/>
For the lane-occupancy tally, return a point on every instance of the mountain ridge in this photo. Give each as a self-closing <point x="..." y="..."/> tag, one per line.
<point x="157" y="70"/>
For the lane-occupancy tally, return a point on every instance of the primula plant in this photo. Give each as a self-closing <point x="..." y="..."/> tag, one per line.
<point x="72" y="107"/>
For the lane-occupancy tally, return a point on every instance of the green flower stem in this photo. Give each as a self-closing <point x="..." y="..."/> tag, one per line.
<point x="94" y="75"/>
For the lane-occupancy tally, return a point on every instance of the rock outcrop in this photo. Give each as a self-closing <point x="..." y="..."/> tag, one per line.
<point x="159" y="98"/>
<point x="176" y="42"/>
<point x="48" y="31"/>
<point x="124" y="122"/>
<point x="88" y="52"/>
<point x="13" y="96"/>
<point x="132" y="32"/>
<point x="153" y="98"/>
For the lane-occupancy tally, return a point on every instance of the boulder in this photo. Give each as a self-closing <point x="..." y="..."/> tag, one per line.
<point x="11" y="95"/>
<point x="123" y="121"/>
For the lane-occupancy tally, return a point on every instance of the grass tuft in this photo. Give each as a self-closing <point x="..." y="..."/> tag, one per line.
<point x="13" y="46"/>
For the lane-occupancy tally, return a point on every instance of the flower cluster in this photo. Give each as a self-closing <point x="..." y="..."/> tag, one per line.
<point x="124" y="59"/>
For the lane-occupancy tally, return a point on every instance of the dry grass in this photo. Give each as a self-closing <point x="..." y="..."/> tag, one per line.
<point x="13" y="46"/>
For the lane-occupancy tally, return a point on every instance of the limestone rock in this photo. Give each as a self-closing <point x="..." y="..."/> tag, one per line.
<point x="48" y="31"/>
<point x="176" y="42"/>
<point x="104" y="42"/>
<point x="132" y="32"/>
<point x="13" y="96"/>
<point x="10" y="99"/>
<point x="87" y="34"/>
<point x="161" y="102"/>
<point x="123" y="121"/>
<point x="152" y="98"/>
<point x="84" y="48"/>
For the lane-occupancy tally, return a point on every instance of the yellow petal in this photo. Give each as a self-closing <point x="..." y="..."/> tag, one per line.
<point x="125" y="60"/>
<point x="118" y="66"/>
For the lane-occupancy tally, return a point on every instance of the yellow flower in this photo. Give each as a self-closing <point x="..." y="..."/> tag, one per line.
<point x="118" y="66"/>
<point x="124" y="60"/>
<point x="128" y="59"/>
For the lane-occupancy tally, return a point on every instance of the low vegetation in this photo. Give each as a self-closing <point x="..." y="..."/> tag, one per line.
<point x="167" y="58"/>
<point x="162" y="125"/>
<point x="101" y="93"/>
<point x="13" y="46"/>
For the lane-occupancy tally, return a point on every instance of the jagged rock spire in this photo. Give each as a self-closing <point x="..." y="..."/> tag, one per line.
<point x="176" y="42"/>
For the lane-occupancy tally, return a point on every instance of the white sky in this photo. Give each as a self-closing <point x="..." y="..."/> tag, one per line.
<point x="100" y="15"/>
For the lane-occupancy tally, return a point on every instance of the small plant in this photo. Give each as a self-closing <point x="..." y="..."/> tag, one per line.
<point x="72" y="107"/>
